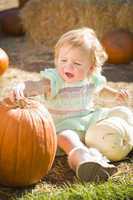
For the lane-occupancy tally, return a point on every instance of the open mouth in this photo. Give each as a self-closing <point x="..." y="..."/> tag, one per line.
<point x="69" y="75"/>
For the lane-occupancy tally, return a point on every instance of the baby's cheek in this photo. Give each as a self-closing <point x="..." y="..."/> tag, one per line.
<point x="80" y="74"/>
<point x="61" y="71"/>
<point x="48" y="91"/>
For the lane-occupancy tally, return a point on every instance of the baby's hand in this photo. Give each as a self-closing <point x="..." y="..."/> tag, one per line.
<point x="18" y="92"/>
<point x="122" y="96"/>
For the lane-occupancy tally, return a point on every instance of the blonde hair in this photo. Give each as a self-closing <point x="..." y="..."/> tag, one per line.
<point x="86" y="39"/>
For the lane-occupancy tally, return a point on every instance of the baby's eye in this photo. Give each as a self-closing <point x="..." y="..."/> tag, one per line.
<point x="76" y="63"/>
<point x="63" y="60"/>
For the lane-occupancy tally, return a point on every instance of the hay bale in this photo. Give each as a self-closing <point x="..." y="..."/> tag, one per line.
<point x="126" y="22"/>
<point x="22" y="3"/>
<point x="45" y="21"/>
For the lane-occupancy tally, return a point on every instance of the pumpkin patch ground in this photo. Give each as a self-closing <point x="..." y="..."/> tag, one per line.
<point x="25" y="63"/>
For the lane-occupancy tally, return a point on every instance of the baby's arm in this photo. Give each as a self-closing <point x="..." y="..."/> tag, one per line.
<point x="108" y="92"/>
<point x="111" y="93"/>
<point x="32" y="88"/>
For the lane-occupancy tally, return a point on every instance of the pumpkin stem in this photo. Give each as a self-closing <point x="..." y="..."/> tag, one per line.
<point x="21" y="103"/>
<point x="18" y="103"/>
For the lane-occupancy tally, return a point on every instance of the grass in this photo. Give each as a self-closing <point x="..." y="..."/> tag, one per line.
<point x="112" y="190"/>
<point x="61" y="184"/>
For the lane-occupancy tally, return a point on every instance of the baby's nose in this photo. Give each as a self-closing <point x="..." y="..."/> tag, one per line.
<point x="70" y="66"/>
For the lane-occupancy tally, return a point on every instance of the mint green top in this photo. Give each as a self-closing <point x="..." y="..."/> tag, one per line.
<point x="71" y="104"/>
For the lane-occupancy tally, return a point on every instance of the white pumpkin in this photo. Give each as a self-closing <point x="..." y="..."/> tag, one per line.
<point x="113" y="137"/>
<point x="122" y="112"/>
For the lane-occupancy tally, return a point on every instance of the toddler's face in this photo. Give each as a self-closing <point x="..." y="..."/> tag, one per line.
<point x="72" y="64"/>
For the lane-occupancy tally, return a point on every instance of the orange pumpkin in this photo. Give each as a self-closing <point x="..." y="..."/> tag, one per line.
<point x="4" y="61"/>
<point x="11" y="23"/>
<point x="119" y="46"/>
<point x="27" y="142"/>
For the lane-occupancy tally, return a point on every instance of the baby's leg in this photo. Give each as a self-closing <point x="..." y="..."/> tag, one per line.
<point x="89" y="164"/>
<point x="122" y="112"/>
<point x="68" y="140"/>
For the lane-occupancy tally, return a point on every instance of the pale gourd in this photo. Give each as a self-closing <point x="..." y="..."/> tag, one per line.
<point x="113" y="137"/>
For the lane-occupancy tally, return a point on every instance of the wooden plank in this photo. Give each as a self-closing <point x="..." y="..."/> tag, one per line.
<point x="7" y="4"/>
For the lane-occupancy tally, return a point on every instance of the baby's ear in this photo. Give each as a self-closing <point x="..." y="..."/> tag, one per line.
<point x="91" y="68"/>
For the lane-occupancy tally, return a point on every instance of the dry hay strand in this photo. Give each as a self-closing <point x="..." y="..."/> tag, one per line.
<point x="45" y="21"/>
